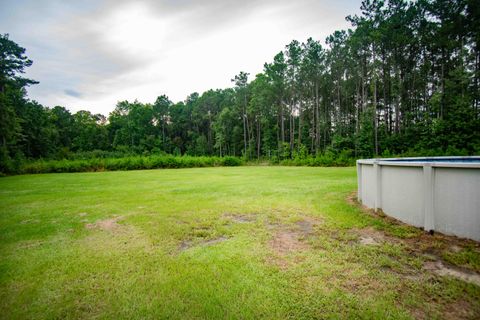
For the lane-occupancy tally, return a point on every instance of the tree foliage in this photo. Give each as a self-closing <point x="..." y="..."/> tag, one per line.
<point x="404" y="79"/>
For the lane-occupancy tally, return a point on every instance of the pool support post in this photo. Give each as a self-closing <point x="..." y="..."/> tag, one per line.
<point x="359" y="182"/>
<point x="378" y="186"/>
<point x="428" y="212"/>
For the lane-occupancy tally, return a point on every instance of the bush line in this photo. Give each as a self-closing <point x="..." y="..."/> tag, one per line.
<point x="164" y="162"/>
<point x="126" y="163"/>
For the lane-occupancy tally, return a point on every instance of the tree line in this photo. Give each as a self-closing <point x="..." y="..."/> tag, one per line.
<point x="403" y="79"/>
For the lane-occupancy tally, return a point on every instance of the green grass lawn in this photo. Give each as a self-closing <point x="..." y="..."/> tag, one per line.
<point x="218" y="243"/>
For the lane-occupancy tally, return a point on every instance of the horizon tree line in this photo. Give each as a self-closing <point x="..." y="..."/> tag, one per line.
<point x="404" y="78"/>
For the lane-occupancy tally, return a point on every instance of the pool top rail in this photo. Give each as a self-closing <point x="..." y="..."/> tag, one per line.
<point x="461" y="161"/>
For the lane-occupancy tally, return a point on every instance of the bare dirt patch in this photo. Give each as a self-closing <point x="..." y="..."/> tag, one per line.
<point x="370" y="236"/>
<point x="105" y="225"/>
<point x="214" y="241"/>
<point x="419" y="243"/>
<point x="455" y="248"/>
<point x="353" y="200"/>
<point x="184" y="245"/>
<point x="289" y="241"/>
<point x="272" y="225"/>
<point x="431" y="248"/>
<point x="305" y="227"/>
<point x="425" y="248"/>
<point x="187" y="244"/>
<point x="285" y="242"/>
<point x="240" y="218"/>
<point x="368" y="241"/>
<point x="291" y="238"/>
<point x="459" y="309"/>
<point x="443" y="270"/>
<point x="361" y="285"/>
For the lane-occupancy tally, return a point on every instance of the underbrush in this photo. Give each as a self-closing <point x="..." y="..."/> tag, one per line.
<point x="138" y="162"/>
<point x="104" y="161"/>
<point x="320" y="161"/>
<point x="168" y="162"/>
<point x="126" y="163"/>
<point x="99" y="160"/>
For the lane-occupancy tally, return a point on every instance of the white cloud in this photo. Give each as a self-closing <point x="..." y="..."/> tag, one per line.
<point x="139" y="50"/>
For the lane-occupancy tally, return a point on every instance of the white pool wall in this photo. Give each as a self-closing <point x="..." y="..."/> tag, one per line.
<point x="439" y="196"/>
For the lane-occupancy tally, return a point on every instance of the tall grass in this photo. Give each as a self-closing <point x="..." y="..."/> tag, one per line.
<point x="126" y="163"/>
<point x="99" y="160"/>
<point x="322" y="160"/>
<point x="137" y="162"/>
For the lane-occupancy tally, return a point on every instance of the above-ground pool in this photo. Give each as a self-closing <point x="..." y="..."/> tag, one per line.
<point x="439" y="193"/>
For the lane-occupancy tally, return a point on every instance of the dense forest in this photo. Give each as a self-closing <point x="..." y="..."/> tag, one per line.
<point x="403" y="80"/>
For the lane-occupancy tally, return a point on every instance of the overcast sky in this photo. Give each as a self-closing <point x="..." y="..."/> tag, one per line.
<point x="90" y="54"/>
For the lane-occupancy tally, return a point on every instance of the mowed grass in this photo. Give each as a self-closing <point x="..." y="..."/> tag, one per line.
<point x="214" y="243"/>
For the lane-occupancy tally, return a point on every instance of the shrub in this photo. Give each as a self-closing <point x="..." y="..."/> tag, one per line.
<point x="83" y="164"/>
<point x="231" y="161"/>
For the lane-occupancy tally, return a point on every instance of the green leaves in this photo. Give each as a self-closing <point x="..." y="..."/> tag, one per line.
<point x="13" y="62"/>
<point x="404" y="80"/>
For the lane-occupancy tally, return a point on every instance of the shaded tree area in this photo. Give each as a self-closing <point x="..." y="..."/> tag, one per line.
<point x="404" y="79"/>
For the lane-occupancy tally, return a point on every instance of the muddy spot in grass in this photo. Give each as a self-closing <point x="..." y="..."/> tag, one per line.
<point x="272" y="225"/>
<point x="240" y="218"/>
<point x="187" y="244"/>
<point x="461" y="252"/>
<point x="352" y="199"/>
<point x="404" y="272"/>
<point x="459" y="309"/>
<point x="105" y="225"/>
<point x="305" y="227"/>
<point x="360" y="285"/>
<point x="289" y="236"/>
<point x="368" y="241"/>
<point x="455" y="248"/>
<point x="443" y="270"/>
<point x="287" y="241"/>
<point x="184" y="245"/>
<point x="214" y="241"/>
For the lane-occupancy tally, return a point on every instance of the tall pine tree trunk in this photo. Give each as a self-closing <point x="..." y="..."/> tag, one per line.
<point x="317" y="120"/>
<point x="300" y="124"/>
<point x="259" y="136"/>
